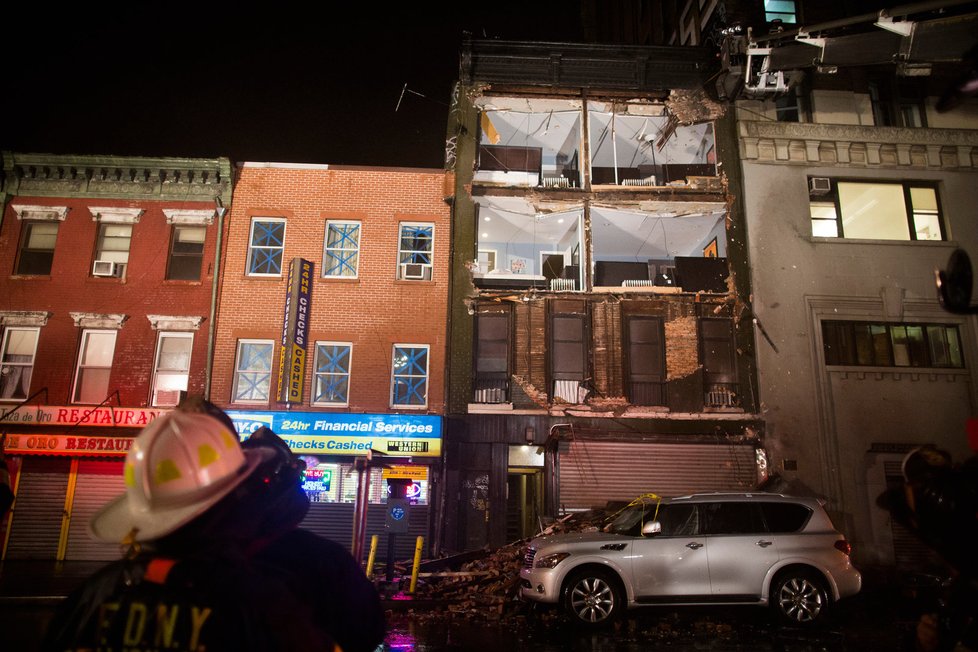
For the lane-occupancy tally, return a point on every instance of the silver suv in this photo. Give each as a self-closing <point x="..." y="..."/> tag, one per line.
<point x="751" y="548"/>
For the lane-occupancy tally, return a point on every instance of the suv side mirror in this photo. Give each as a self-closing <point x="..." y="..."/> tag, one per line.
<point x="954" y="284"/>
<point x="651" y="528"/>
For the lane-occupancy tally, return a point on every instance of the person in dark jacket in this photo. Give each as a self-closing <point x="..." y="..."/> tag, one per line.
<point x="214" y="558"/>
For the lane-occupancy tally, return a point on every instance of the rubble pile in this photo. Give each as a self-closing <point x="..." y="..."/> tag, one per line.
<point x="487" y="587"/>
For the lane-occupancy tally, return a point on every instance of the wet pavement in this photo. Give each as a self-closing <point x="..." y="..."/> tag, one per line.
<point x="882" y="617"/>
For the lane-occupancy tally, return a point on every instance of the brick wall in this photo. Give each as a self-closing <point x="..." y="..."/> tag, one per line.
<point x="71" y="288"/>
<point x="372" y="311"/>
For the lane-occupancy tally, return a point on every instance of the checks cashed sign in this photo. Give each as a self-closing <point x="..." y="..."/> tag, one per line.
<point x="295" y="330"/>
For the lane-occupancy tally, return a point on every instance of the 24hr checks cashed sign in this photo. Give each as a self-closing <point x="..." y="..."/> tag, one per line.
<point x="295" y="330"/>
<point x="323" y="433"/>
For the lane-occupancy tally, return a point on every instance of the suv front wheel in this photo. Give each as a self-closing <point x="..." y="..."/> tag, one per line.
<point x="799" y="597"/>
<point x="593" y="597"/>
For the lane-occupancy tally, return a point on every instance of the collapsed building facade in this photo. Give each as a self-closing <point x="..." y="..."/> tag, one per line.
<point x="600" y="334"/>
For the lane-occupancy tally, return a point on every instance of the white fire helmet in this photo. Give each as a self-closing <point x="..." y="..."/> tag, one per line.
<point x="179" y="466"/>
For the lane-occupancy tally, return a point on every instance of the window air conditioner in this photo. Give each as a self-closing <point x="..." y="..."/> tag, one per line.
<point x="818" y="186"/>
<point x="103" y="268"/>
<point x="414" y="271"/>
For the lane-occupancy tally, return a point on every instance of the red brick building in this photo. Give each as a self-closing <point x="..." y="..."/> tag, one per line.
<point x="105" y="317"/>
<point x="365" y="334"/>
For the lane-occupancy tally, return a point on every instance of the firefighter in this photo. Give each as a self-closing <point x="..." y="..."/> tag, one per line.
<point x="196" y="524"/>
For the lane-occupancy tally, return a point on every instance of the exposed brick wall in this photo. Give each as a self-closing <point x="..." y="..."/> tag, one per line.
<point x="373" y="311"/>
<point x="71" y="288"/>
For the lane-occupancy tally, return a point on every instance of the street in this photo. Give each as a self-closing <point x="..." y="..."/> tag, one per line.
<point x="882" y="617"/>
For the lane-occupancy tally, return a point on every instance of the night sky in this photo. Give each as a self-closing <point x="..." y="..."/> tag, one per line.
<point x="175" y="79"/>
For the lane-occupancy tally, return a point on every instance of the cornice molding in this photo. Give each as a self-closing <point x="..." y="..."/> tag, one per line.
<point x="115" y="215"/>
<point x="98" y="320"/>
<point x="795" y="143"/>
<point x="193" y="217"/>
<point x="24" y="318"/>
<point x="50" y="213"/>
<point x="114" y="177"/>
<point x="174" y="323"/>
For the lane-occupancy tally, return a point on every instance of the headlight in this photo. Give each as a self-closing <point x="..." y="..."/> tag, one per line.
<point x="551" y="560"/>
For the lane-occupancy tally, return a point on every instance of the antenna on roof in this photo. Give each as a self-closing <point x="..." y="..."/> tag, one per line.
<point x="401" y="98"/>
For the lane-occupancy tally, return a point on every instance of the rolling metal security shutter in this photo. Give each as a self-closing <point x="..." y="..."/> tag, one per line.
<point x="35" y="526"/>
<point x="335" y="521"/>
<point x="98" y="482"/>
<point x="594" y="472"/>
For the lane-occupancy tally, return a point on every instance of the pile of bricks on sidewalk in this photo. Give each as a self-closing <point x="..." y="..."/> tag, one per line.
<point x="486" y="585"/>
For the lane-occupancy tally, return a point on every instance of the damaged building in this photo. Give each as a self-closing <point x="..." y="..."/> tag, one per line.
<point x="600" y="335"/>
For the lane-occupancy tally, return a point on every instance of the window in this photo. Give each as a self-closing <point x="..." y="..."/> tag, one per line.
<point x="783" y="10"/>
<point x="267" y="247"/>
<point x="785" y="517"/>
<point x="492" y="357"/>
<point x="732" y="518"/>
<point x="717" y="352"/>
<point x="253" y="372"/>
<point x="17" y="362"/>
<point x="880" y="211"/>
<point x="94" y="366"/>
<point x="186" y="253"/>
<point x="416" y="250"/>
<point x="854" y="343"/>
<point x="37" y="248"/>
<point x="409" y="376"/>
<point x="332" y="375"/>
<point x="113" y="247"/>
<point x="341" y="250"/>
<point x="568" y="352"/>
<point x="172" y="368"/>
<point x="645" y="360"/>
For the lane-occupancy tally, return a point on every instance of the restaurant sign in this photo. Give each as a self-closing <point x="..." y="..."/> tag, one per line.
<point x="103" y="417"/>
<point x="70" y="445"/>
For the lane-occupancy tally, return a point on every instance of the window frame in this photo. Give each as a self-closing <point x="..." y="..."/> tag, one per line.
<point x="26" y="228"/>
<point x="80" y="368"/>
<point x="342" y="262"/>
<point x="254" y="249"/>
<point x="238" y="371"/>
<point x="4" y="347"/>
<point x="316" y="373"/>
<point x="158" y="372"/>
<point x="411" y="254"/>
<point x="173" y="255"/>
<point x="907" y="186"/>
<point x="487" y="383"/>
<point x="395" y="376"/>
<point x="841" y="345"/>
<point x="100" y="250"/>
<point x="639" y="373"/>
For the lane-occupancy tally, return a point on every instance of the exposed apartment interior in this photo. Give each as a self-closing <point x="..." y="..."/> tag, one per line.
<point x="641" y="185"/>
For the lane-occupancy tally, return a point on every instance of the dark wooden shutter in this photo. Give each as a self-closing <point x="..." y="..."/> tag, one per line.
<point x="645" y="360"/>
<point x="567" y="359"/>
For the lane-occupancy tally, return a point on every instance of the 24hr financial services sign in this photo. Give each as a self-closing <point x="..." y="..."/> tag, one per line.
<point x="319" y="433"/>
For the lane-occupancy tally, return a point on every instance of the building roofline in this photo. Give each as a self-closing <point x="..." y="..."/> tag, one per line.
<point x="341" y="168"/>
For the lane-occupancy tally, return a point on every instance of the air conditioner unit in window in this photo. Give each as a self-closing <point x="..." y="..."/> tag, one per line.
<point x="103" y="268"/>
<point x="415" y="271"/>
<point x="818" y="186"/>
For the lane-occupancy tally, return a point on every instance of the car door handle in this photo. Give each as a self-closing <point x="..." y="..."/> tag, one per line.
<point x="692" y="545"/>
<point x="763" y="544"/>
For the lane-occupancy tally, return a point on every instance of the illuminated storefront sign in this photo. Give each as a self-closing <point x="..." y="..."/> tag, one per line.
<point x="74" y="446"/>
<point x="320" y="433"/>
<point x="295" y="329"/>
<point x="317" y="479"/>
<point x="57" y="415"/>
